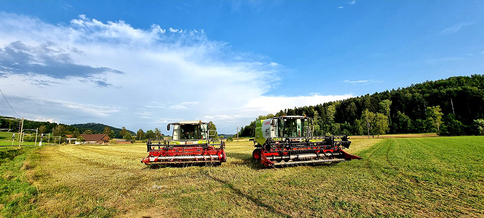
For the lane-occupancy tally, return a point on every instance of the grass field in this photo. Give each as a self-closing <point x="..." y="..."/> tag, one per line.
<point x="415" y="177"/>
<point x="6" y="139"/>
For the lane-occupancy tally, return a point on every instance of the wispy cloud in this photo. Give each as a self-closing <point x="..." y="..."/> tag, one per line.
<point x="67" y="7"/>
<point x="363" y="82"/>
<point x="352" y="2"/>
<point x="455" y="28"/>
<point x="340" y="7"/>
<point x="443" y="60"/>
<point x="144" y="114"/>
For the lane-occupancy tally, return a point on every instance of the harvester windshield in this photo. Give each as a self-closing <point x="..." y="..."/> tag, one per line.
<point x="190" y="132"/>
<point x="293" y="127"/>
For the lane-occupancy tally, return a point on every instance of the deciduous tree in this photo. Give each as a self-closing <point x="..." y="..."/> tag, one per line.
<point x="107" y="130"/>
<point x="127" y="136"/>
<point x="157" y="133"/>
<point x="87" y="132"/>
<point x="213" y="129"/>
<point x="123" y="131"/>
<point x="434" y="116"/>
<point x="42" y="129"/>
<point x="140" y="134"/>
<point x="150" y="134"/>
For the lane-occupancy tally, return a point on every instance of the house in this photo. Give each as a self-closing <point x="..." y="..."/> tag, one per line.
<point x="96" y="138"/>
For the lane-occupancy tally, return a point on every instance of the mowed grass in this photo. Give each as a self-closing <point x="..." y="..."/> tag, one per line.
<point x="415" y="177"/>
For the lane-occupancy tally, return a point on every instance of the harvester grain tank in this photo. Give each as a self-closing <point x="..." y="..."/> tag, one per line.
<point x="289" y="140"/>
<point x="190" y="145"/>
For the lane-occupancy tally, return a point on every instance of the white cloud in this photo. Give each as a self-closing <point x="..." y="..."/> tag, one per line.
<point x="158" y="76"/>
<point x="363" y="82"/>
<point x="340" y="7"/>
<point x="455" y="28"/>
<point x="352" y="2"/>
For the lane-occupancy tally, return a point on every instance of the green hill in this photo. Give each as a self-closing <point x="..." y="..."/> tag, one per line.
<point x="13" y="124"/>
<point x="99" y="128"/>
<point x="453" y="106"/>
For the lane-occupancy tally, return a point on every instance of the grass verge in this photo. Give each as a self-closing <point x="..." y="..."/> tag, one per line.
<point x="18" y="196"/>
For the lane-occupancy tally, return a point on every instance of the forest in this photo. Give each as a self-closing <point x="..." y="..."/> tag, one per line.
<point x="453" y="106"/>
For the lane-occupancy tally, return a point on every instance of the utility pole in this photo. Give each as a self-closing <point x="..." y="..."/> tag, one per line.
<point x="237" y="133"/>
<point x="20" y="133"/>
<point x="36" y="132"/>
<point x="368" y="127"/>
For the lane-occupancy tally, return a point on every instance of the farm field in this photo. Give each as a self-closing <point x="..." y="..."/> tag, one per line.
<point x="415" y="177"/>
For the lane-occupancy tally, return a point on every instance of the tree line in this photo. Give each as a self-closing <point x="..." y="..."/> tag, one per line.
<point x="453" y="106"/>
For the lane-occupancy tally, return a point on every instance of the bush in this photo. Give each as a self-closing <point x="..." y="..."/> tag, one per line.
<point x="452" y="127"/>
<point x="80" y="139"/>
<point x="29" y="138"/>
<point x="230" y="139"/>
<point x="478" y="126"/>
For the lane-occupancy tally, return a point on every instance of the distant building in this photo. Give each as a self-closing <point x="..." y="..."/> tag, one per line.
<point x="96" y="138"/>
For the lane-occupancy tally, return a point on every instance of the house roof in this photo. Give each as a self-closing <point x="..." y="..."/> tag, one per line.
<point x="94" y="137"/>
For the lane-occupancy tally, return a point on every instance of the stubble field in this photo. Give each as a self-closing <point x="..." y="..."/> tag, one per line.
<point x="415" y="177"/>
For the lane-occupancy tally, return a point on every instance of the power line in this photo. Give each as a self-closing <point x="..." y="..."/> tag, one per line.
<point x="9" y="103"/>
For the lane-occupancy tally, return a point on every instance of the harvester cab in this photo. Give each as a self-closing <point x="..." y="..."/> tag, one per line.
<point x="289" y="140"/>
<point x="190" y="145"/>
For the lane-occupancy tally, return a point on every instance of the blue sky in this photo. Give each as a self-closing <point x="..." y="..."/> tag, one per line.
<point x="142" y="64"/>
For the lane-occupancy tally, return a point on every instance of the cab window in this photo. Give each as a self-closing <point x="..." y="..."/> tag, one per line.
<point x="189" y="132"/>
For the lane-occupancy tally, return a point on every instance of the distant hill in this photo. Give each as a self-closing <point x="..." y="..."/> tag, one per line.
<point x="99" y="128"/>
<point x="13" y="125"/>
<point x="226" y="135"/>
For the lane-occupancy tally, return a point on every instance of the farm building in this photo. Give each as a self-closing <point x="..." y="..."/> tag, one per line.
<point x="96" y="138"/>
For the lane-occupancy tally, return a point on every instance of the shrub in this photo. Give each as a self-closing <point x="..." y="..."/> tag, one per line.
<point x="479" y="126"/>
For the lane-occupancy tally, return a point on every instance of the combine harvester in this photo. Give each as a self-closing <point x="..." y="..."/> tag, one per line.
<point x="191" y="145"/>
<point x="288" y="140"/>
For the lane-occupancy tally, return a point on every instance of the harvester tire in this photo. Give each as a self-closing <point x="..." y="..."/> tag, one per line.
<point x="256" y="154"/>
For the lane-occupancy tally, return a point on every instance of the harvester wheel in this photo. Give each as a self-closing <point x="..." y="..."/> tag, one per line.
<point x="256" y="154"/>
